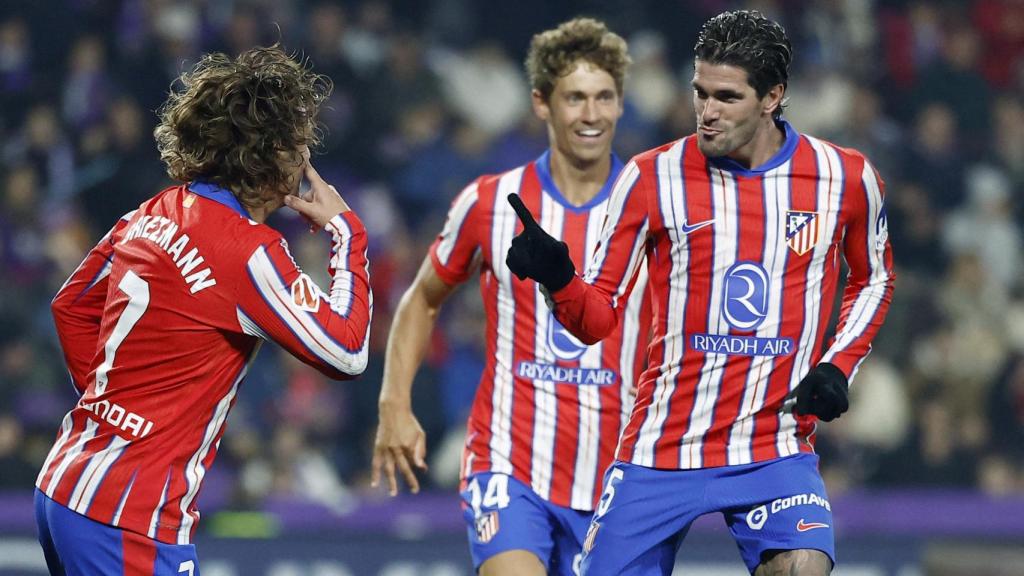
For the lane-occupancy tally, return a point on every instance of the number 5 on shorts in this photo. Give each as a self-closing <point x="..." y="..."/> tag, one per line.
<point x="609" y="492"/>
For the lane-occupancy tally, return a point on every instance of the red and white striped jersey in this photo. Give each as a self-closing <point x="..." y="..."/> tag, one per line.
<point x="159" y="325"/>
<point x="549" y="410"/>
<point x="744" y="267"/>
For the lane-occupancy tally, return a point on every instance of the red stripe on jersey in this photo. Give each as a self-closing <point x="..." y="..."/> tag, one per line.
<point x="108" y="495"/>
<point x="567" y="423"/>
<point x="732" y="389"/>
<point x="548" y="450"/>
<point x="700" y="248"/>
<point x="479" y="425"/>
<point x="46" y="478"/>
<point x="524" y="397"/>
<point x="658" y="258"/>
<point x="77" y="467"/>
<point x="803" y="196"/>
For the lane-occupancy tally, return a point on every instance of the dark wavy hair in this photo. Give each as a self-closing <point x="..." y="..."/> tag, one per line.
<point x="553" y="53"/>
<point x="748" y="40"/>
<point x="240" y="123"/>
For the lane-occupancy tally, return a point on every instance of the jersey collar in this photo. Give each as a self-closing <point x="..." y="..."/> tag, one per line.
<point x="219" y="195"/>
<point x="543" y="165"/>
<point x="780" y="157"/>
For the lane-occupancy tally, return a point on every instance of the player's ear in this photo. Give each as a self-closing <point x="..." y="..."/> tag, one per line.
<point x="773" y="99"/>
<point x="540" y="105"/>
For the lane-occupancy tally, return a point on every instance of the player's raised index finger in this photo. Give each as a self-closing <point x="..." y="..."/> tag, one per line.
<point x="312" y="175"/>
<point x="524" y="214"/>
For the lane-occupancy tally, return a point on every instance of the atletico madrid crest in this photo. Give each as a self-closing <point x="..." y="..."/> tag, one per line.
<point x="588" y="542"/>
<point x="801" y="230"/>
<point x="486" y="527"/>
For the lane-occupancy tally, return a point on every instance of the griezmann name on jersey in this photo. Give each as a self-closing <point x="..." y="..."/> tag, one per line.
<point x="159" y="324"/>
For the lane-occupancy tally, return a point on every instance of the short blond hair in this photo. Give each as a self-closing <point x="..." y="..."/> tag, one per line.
<point x="554" y="53"/>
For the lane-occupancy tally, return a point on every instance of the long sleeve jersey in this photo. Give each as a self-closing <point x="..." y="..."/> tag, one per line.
<point x="744" y="266"/>
<point x="158" y="326"/>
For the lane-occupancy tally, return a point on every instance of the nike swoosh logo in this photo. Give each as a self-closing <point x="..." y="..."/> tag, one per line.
<point x="687" y="228"/>
<point x="804" y="527"/>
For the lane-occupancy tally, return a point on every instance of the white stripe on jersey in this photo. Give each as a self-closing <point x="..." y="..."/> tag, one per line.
<point x="65" y="432"/>
<point x="137" y="291"/>
<point x="870" y="298"/>
<point x="94" y="473"/>
<point x="589" y="434"/>
<point x="724" y="202"/>
<point x="829" y="202"/>
<point x="155" y="519"/>
<point x="501" y="238"/>
<point x="775" y="252"/>
<point x="194" y="470"/>
<point x="627" y="354"/>
<point x="124" y="498"/>
<point x="302" y="324"/>
<point x="615" y="204"/>
<point x="464" y="202"/>
<point x="87" y="434"/>
<point x="545" y="402"/>
<point x="671" y="190"/>
<point x="342" y="283"/>
<point x="249" y="326"/>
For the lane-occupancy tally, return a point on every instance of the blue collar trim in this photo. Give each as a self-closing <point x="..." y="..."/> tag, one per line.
<point x="543" y="165"/>
<point x="218" y="194"/>
<point x="780" y="157"/>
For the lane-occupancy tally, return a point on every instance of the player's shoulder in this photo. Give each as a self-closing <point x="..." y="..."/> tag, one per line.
<point x="489" y="183"/>
<point x="847" y="155"/>
<point x="485" y="187"/>
<point x="212" y="219"/>
<point x="647" y="158"/>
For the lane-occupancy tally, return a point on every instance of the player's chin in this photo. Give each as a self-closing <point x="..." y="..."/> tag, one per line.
<point x="712" y="149"/>
<point x="592" y="152"/>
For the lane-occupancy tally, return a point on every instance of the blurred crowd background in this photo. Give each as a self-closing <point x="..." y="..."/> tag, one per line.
<point x="430" y="94"/>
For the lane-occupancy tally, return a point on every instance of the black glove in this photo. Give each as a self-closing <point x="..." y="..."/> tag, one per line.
<point x="535" y="254"/>
<point x="824" y="392"/>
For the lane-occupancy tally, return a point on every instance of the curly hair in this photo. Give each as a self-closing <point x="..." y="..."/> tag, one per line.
<point x="554" y="53"/>
<point x="748" y="40"/>
<point x="240" y="123"/>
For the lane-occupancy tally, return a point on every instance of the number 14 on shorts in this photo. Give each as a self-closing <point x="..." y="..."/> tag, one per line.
<point x="495" y="495"/>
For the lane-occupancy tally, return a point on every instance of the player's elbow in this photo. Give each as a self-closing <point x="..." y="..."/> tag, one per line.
<point x="351" y="365"/>
<point x="60" y="306"/>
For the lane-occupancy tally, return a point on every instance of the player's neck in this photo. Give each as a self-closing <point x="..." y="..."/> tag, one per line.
<point x="767" y="141"/>
<point x="579" y="182"/>
<point x="263" y="211"/>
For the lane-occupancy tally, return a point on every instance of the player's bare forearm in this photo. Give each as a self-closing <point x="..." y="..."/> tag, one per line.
<point x="401" y="444"/>
<point x="410" y="334"/>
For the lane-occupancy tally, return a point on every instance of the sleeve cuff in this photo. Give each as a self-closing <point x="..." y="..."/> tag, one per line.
<point x="345" y="224"/>
<point x="449" y="277"/>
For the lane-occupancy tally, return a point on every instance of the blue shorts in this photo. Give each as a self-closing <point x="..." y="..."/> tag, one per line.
<point x="644" y="513"/>
<point x="75" y="545"/>
<point x="504" y="514"/>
